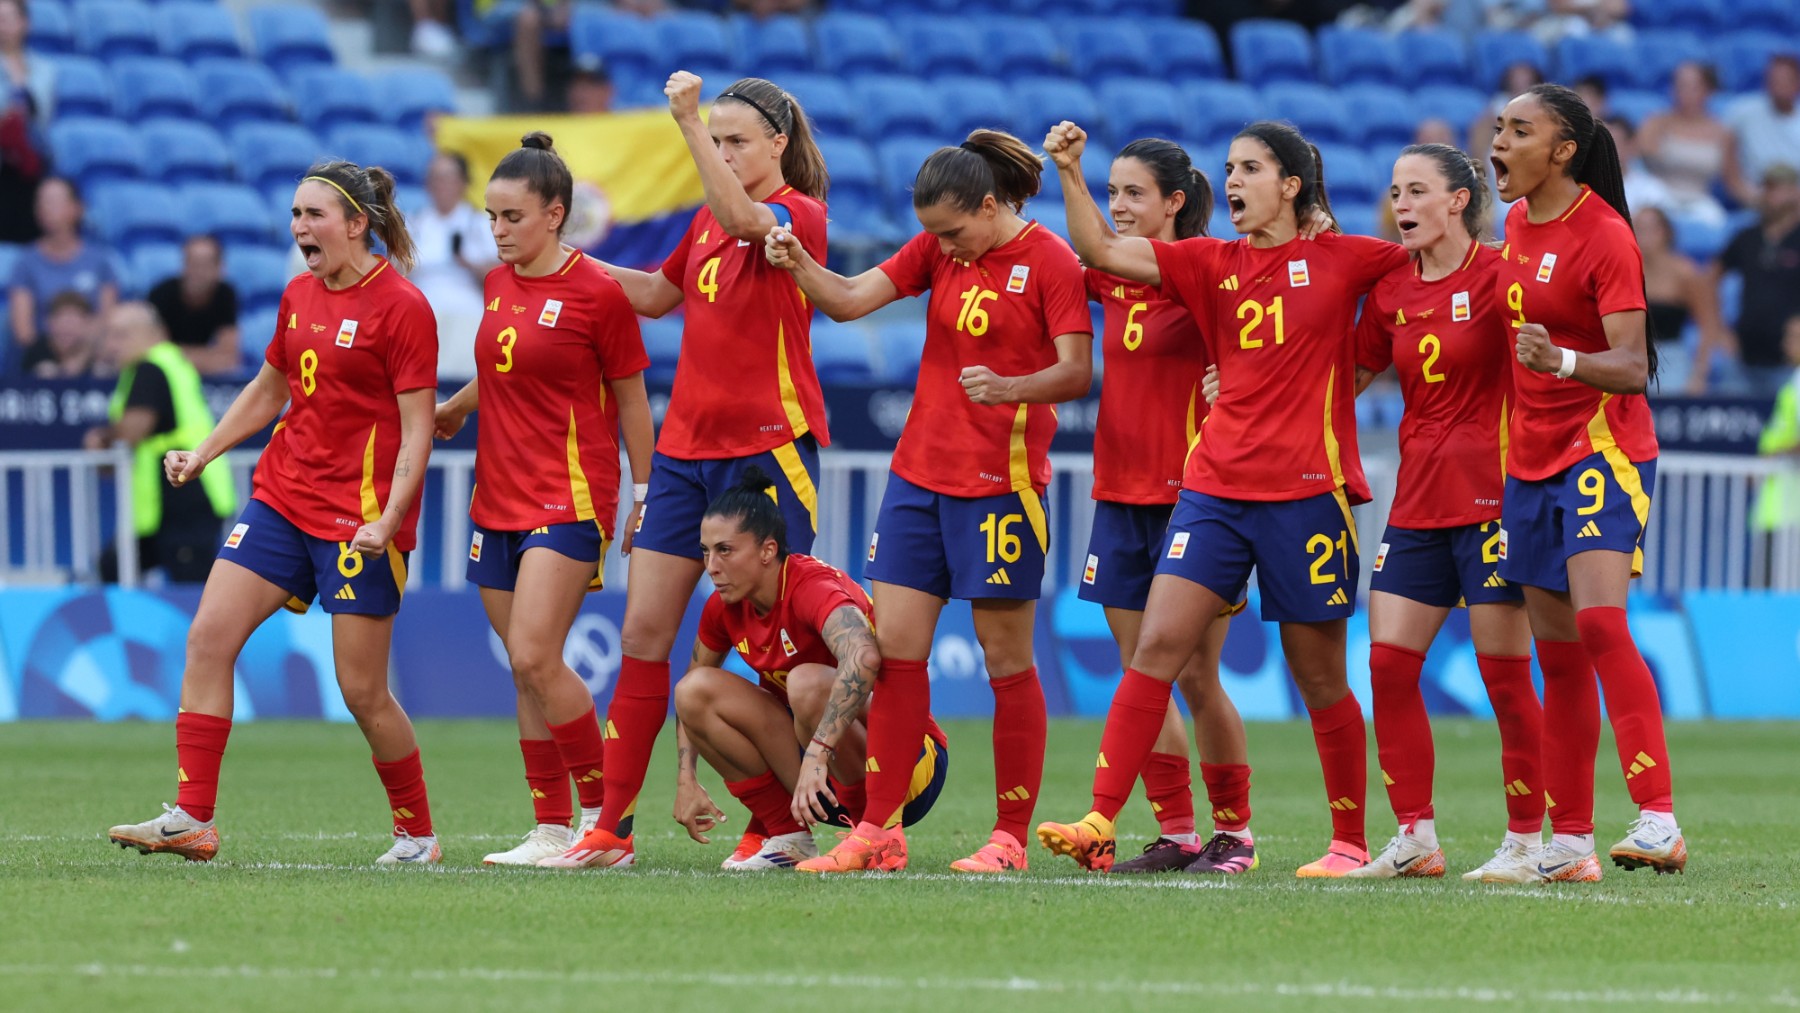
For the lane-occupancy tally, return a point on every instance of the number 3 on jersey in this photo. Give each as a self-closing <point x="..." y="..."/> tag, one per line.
<point x="707" y="281"/>
<point x="506" y="339"/>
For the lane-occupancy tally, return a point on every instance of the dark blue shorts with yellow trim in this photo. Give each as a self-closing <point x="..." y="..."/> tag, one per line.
<point x="956" y="547"/>
<point x="494" y="555"/>
<point x="345" y="581"/>
<point x="928" y="776"/>
<point x="1304" y="552"/>
<point x="1126" y="542"/>
<point x="1601" y="502"/>
<point x="681" y="490"/>
<point x="1444" y="567"/>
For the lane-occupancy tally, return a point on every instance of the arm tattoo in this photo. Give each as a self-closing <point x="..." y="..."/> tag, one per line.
<point x="403" y="467"/>
<point x="852" y="642"/>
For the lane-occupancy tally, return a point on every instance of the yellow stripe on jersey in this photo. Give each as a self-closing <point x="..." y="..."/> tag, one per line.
<point x="1333" y="457"/>
<point x="372" y="275"/>
<point x="1193" y="426"/>
<point x="1505" y="433"/>
<point x="1034" y="512"/>
<point x="1625" y="473"/>
<point x="799" y="480"/>
<point x="1343" y="503"/>
<point x="790" y="395"/>
<point x="578" y="483"/>
<point x="397" y="564"/>
<point x="1579" y="201"/>
<point x="1018" y="464"/>
<point x="371" y="505"/>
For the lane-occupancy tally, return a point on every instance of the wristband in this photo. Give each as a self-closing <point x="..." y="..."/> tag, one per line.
<point x="640" y="491"/>
<point x="822" y="744"/>
<point x="1567" y="368"/>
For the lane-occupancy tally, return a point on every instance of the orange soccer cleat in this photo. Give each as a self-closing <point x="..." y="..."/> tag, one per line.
<point x="1002" y="853"/>
<point x="868" y="848"/>
<point x="1091" y="842"/>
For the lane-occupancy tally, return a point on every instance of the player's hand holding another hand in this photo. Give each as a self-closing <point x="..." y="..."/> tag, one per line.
<point x="1535" y="351"/>
<point x="1209" y="384"/>
<point x="1064" y="144"/>
<point x="782" y="249"/>
<point x="447" y="421"/>
<point x="694" y="809"/>
<point x="683" y="91"/>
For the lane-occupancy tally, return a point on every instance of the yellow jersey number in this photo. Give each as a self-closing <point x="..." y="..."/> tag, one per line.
<point x="1515" y="301"/>
<point x="1430" y="347"/>
<point x="1002" y="544"/>
<point x="973" y="320"/>
<point x="707" y="281"/>
<point x="1321" y="547"/>
<point x="309" y="372"/>
<point x="1134" y="331"/>
<point x="1591" y="484"/>
<point x="1256" y="312"/>
<point x="506" y="339"/>
<point x="350" y="561"/>
<point x="1490" y="546"/>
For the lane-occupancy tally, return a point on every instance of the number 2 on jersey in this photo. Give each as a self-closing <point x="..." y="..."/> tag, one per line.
<point x="506" y="339"/>
<point x="1256" y="311"/>
<point x="707" y="281"/>
<point x="1430" y="347"/>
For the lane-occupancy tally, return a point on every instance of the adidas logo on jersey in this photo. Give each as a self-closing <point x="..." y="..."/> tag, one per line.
<point x="494" y="307"/>
<point x="345" y="593"/>
<point x="1000" y="577"/>
<point x="1229" y="284"/>
<point x="1338" y="597"/>
<point x="1494" y="580"/>
<point x="1588" y="530"/>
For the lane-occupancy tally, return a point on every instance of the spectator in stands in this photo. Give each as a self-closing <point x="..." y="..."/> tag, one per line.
<point x="1778" y="502"/>
<point x="1550" y="20"/>
<point x="60" y="261"/>
<point x="1767" y="257"/>
<point x="590" y="86"/>
<point x="70" y="345"/>
<point x="158" y="406"/>
<point x="455" y="252"/>
<point x="1767" y="126"/>
<point x="25" y="102"/>
<point x="1688" y="148"/>
<point x="534" y="20"/>
<point x="1677" y="292"/>
<point x="199" y="309"/>
<point x="769" y="8"/>
<point x="1464" y="17"/>
<point x="1593" y="90"/>
<point x="431" y="33"/>
<point x="1435" y="131"/>
<point x="1514" y="81"/>
<point x="1642" y="187"/>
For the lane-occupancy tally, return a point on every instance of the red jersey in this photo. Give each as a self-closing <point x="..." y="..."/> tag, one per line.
<point x="1566" y="274"/>
<point x="1150" y="401"/>
<point x="547" y="450"/>
<point x="1282" y="320"/>
<point x="791" y="633"/>
<point x="346" y="354"/>
<point x="1003" y="312"/>
<point x="1448" y="343"/>
<point x="745" y="382"/>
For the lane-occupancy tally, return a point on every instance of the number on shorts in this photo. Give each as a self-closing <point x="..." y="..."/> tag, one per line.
<point x="1490" y="547"/>
<point x="506" y="339"/>
<point x="1256" y="311"/>
<point x="1320" y="547"/>
<point x="1002" y="544"/>
<point x="1592" y="483"/>
<point x="707" y="281"/>
<point x="1431" y="348"/>
<point x="350" y="562"/>
<point x="309" y="372"/>
<point x="1515" y="301"/>
<point x="1134" y="331"/>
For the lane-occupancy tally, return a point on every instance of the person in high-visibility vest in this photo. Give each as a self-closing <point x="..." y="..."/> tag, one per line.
<point x="158" y="407"/>
<point x="1778" y="502"/>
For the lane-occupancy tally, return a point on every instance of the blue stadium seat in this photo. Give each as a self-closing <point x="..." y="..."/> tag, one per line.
<point x="900" y="161"/>
<point x="773" y="46"/>
<point x="1352" y="55"/>
<point x="1050" y="214"/>
<point x="662" y="340"/>
<point x="1106" y="48"/>
<point x="1611" y="60"/>
<point x="1741" y="57"/>
<point x="697" y="42"/>
<point x="83" y="87"/>
<point x="146" y="86"/>
<point x="402" y="153"/>
<point x="1430" y="56"/>
<point x="1022" y="47"/>
<point x="259" y="274"/>
<point x="1766" y="15"/>
<point x="970" y="103"/>
<point x="1352" y="175"/>
<point x="1216" y="111"/>
<point x="1043" y="102"/>
<point x="179" y="151"/>
<point x="1264" y="50"/>
<point x="273" y="154"/>
<point x="326" y="97"/>
<point x="1458" y="105"/>
<point x="1661" y="50"/>
<point x="937" y="46"/>
<point x="233" y="212"/>
<point x="1636" y="105"/>
<point x="129" y="213"/>
<point x="1496" y="51"/>
<point x="855" y="188"/>
<point x="841" y="351"/>
<point x="153" y="263"/>
<point x="239" y="91"/>
<point x="92" y="150"/>
<point x="1356" y="219"/>
<point x="826" y="101"/>
<point x="52" y="30"/>
<point x="1141" y="107"/>
<point x="1701" y="240"/>
<point x="627" y="44"/>
<point x="1183" y="51"/>
<point x="855" y="44"/>
<point x="1317" y="110"/>
<point x="1384" y="115"/>
<point x="192" y="31"/>
<point x="407" y="96"/>
<point x="1694" y="15"/>
<point x="902" y="346"/>
<point x="112" y="28"/>
<point x="288" y="36"/>
<point x="894" y="106"/>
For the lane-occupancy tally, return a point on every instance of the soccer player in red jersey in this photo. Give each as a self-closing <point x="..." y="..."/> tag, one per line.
<point x="745" y="393"/>
<point x="1269" y="483"/>
<point x="335" y="505"/>
<point x="1435" y="320"/>
<point x="1155" y="360"/>
<point x="1007" y="336"/>
<point x="561" y="368"/>
<point x="807" y="631"/>
<point x="1580" y="465"/>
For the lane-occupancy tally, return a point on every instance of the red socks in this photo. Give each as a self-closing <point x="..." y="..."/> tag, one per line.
<point x="1132" y="723"/>
<point x="548" y="780"/>
<point x="639" y="704"/>
<point x="1228" y="789"/>
<point x="1344" y="758"/>
<point x="1169" y="784"/>
<point x="1521" y="721"/>
<point x="1020" y="730"/>
<point x="899" y="713"/>
<point x="1402" y="731"/>
<point x="1631" y="704"/>
<point x="404" y="780"/>
<point x="583" y="753"/>
<point x="768" y="802"/>
<point x="199" y="748"/>
<point x="1571" y="734"/>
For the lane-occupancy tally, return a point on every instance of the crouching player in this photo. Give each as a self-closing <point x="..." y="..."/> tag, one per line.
<point x="792" y="746"/>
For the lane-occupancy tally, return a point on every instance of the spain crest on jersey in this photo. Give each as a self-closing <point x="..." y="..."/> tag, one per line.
<point x="346" y="335"/>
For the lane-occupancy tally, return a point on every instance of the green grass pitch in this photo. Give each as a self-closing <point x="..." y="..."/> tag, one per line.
<point x="293" y="916"/>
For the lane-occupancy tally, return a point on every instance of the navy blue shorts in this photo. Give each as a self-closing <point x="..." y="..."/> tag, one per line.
<point x="1600" y="502"/>
<point x="952" y="547"/>
<point x="1445" y="567"/>
<point x="345" y="581"/>
<point x="1304" y="552"/>
<point x="494" y="555"/>
<point x="928" y="775"/>
<point x="680" y="492"/>
<point x="1123" y="548"/>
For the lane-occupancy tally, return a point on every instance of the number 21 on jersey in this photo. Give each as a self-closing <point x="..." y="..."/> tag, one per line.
<point x="1253" y="314"/>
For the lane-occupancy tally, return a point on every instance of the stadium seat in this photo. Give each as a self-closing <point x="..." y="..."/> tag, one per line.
<point x="1741" y="57"/>
<point x="1613" y="61"/>
<point x="856" y="189"/>
<point x="1702" y="16"/>
<point x="1317" y="110"/>
<point x="894" y="106"/>
<point x="151" y="264"/>
<point x="856" y="44"/>
<point x="1264" y="50"/>
<point x="1216" y="111"/>
<point x="110" y="28"/>
<point x="180" y="151"/>
<point x="1636" y="105"/>
<point x="93" y="150"/>
<point x="288" y="36"/>
<point x="235" y="213"/>
<point x="193" y="31"/>
<point x="1701" y="240"/>
<point x="970" y="103"/>
<point x="773" y="46"/>
<point x="937" y="46"/>
<point x="1022" y="47"/>
<point x="1433" y="57"/>
<point x="1140" y="107"/>
<point x="1351" y="176"/>
<point x="273" y="154"/>
<point x="625" y="43"/>
<point x="130" y="213"/>
<point x="662" y="341"/>
<point x="1352" y="55"/>
<point x="1355" y="219"/>
<point x="1458" y="105"/>
<point x="900" y="161"/>
<point x="1382" y="115"/>
<point x="902" y="346"/>
<point x="1183" y="51"/>
<point x="841" y="351"/>
<point x="696" y="42"/>
<point x="52" y="29"/>
<point x="83" y="87"/>
<point x="1766" y="15"/>
<point x="826" y="101"/>
<point x="1660" y="51"/>
<point x="1108" y="48"/>
<point x="402" y="153"/>
<point x="239" y="91"/>
<point x="1495" y="51"/>
<point x="146" y="86"/>
<point x="259" y="275"/>
<point x="326" y="97"/>
<point x="1043" y="102"/>
<point x="406" y="97"/>
<point x="1051" y="214"/>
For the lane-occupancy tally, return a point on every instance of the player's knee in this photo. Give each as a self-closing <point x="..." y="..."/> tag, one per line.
<point x="695" y="693"/>
<point x="209" y="645"/>
<point x="646" y="640"/>
<point x="1158" y="651"/>
<point x="808" y="687"/>
<point x="1319" y="690"/>
<point x="535" y="666"/>
<point x="366" y="699"/>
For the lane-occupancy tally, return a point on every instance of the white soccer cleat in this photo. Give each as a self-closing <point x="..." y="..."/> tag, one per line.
<point x="174" y="832"/>
<point x="1511" y="852"/>
<point x="1556" y="863"/>
<point x="1405" y="857"/>
<point x="748" y="847"/>
<point x="544" y="841"/>
<point x="782" y="851"/>
<point x="590" y="818"/>
<point x="410" y="850"/>
<point x="1651" y="843"/>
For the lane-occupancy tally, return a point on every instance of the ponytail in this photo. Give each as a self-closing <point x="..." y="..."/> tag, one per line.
<point x="1174" y="171"/>
<point x="990" y="162"/>
<point x="1460" y="172"/>
<point x="750" y="501"/>
<point x="545" y="173"/>
<point x="802" y="163"/>
<point x="370" y="193"/>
